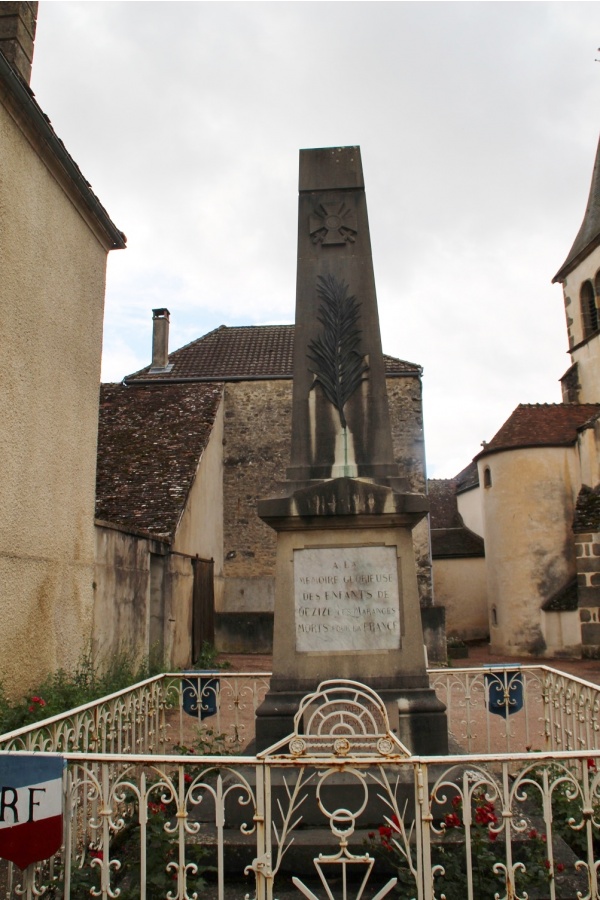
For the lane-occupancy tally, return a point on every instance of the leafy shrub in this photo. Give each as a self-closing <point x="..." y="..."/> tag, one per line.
<point x="63" y="690"/>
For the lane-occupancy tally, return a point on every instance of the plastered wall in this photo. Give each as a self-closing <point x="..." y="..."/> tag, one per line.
<point x="200" y="529"/>
<point x="528" y="511"/>
<point x="460" y="587"/>
<point x="52" y="277"/>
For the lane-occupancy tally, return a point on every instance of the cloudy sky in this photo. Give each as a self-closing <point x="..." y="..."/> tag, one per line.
<point x="478" y="125"/>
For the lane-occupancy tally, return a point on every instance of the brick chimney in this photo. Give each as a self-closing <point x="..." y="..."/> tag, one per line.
<point x="17" y="33"/>
<point x="160" y="339"/>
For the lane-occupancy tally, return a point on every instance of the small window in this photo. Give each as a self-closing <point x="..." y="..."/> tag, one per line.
<point x="589" y="310"/>
<point x="494" y="616"/>
<point x="487" y="477"/>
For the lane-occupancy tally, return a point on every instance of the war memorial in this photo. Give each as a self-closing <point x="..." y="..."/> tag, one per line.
<point x="346" y="603"/>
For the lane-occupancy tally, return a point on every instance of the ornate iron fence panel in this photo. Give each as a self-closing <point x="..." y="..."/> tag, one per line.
<point x="338" y="810"/>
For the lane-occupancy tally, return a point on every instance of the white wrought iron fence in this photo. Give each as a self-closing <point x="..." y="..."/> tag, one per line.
<point x="153" y="716"/>
<point x="339" y="810"/>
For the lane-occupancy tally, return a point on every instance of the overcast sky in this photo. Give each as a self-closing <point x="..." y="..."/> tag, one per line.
<point x="478" y="125"/>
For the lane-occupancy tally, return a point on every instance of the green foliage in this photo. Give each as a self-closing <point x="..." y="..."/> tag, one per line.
<point x="161" y="850"/>
<point x="449" y="855"/>
<point x="64" y="690"/>
<point x="208" y="742"/>
<point x="568" y="819"/>
<point x="207" y="658"/>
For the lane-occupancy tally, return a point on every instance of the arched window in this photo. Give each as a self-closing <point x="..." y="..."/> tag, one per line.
<point x="494" y="616"/>
<point x="487" y="477"/>
<point x="589" y="310"/>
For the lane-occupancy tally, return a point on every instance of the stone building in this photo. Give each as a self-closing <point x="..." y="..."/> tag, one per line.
<point x="534" y="495"/>
<point x="55" y="237"/>
<point x="238" y="444"/>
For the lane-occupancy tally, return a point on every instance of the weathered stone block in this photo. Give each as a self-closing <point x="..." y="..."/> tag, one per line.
<point x="589" y="596"/>
<point x="590" y="633"/>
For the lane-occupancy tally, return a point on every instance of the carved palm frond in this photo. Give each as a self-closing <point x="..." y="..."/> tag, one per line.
<point x="338" y="365"/>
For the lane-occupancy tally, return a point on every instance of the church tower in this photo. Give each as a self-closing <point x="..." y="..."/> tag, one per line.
<point x="580" y="278"/>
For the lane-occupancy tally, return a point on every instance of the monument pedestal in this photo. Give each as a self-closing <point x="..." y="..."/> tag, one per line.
<point x="347" y="606"/>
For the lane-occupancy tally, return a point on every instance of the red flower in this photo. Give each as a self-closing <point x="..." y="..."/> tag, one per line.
<point x="591" y="764"/>
<point x="456" y="801"/>
<point x="385" y="831"/>
<point x="156" y="807"/>
<point x="560" y="867"/>
<point x="485" y="814"/>
<point x="187" y="778"/>
<point x="31" y="708"/>
<point x="451" y="820"/>
<point x="547" y="863"/>
<point x="371" y="835"/>
<point x="97" y="854"/>
<point x="532" y="834"/>
<point x="492" y="835"/>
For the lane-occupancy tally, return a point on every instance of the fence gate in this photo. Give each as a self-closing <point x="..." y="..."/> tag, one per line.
<point x="339" y="753"/>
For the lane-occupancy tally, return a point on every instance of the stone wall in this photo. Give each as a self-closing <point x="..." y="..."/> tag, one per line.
<point x="405" y="401"/>
<point x="256" y="453"/>
<point x="587" y="551"/>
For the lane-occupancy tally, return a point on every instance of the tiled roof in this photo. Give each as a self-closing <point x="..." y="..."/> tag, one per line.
<point x="449" y="536"/>
<point x="150" y="440"/>
<point x="450" y="543"/>
<point x="443" y="509"/>
<point x="467" y="478"/>
<point x="587" y="510"/>
<point x="248" y="351"/>
<point x="541" y="425"/>
<point x="564" y="599"/>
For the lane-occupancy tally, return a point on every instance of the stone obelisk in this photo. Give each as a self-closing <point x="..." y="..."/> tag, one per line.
<point x="346" y="597"/>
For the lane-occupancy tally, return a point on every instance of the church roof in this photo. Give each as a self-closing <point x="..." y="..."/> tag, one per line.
<point x="450" y="538"/>
<point x="150" y="441"/>
<point x="541" y="425"/>
<point x="243" y="353"/>
<point x="456" y="543"/>
<point x="467" y="478"/>
<point x="588" y="235"/>
<point x="563" y="600"/>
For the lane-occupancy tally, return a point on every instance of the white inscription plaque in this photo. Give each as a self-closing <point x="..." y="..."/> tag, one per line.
<point x="346" y="599"/>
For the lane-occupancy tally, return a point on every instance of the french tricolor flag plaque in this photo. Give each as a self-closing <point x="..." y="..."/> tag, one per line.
<point x="31" y="807"/>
